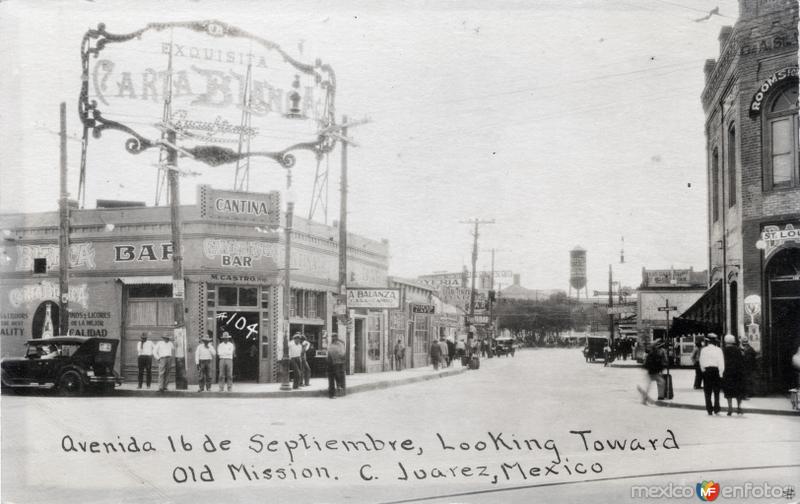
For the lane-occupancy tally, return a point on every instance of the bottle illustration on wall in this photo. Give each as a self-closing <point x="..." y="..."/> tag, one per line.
<point x="47" y="327"/>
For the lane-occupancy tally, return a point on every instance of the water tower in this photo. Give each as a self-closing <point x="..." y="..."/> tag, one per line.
<point x="577" y="271"/>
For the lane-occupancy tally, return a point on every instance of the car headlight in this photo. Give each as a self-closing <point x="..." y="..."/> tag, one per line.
<point x="90" y="373"/>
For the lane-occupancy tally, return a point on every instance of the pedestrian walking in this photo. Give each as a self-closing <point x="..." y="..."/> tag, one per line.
<point x="226" y="351"/>
<point x="304" y="360"/>
<point x="712" y="363"/>
<point x="606" y="355"/>
<point x="654" y="363"/>
<point x="144" y="351"/>
<point x="698" y="374"/>
<point x="749" y="357"/>
<point x="296" y="360"/>
<point x="399" y="354"/>
<point x="436" y="354"/>
<point x="163" y="352"/>
<point x="451" y="351"/>
<point x="203" y="357"/>
<point x="733" y="379"/>
<point x="444" y="359"/>
<point x="461" y="351"/>
<point x="336" y="360"/>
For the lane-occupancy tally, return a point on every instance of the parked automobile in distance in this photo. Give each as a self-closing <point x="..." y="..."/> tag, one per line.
<point x="505" y="345"/>
<point x="71" y="364"/>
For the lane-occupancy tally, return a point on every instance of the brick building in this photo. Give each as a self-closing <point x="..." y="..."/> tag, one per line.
<point x="753" y="169"/>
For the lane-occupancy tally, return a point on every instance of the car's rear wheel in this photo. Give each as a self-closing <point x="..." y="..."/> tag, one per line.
<point x="70" y="384"/>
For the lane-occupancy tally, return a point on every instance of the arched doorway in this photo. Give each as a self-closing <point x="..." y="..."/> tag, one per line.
<point x="782" y="278"/>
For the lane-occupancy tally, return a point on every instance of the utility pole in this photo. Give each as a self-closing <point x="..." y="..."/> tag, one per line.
<point x="63" y="243"/>
<point x="177" y="264"/>
<point x="344" y="318"/>
<point x="476" y="223"/>
<point x="610" y="305"/>
<point x="287" y="286"/>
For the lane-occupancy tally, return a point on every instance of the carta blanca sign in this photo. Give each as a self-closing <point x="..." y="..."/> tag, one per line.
<point x="373" y="298"/>
<point x="228" y="91"/>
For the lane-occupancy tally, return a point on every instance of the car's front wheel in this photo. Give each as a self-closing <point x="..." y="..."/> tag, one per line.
<point x="70" y="384"/>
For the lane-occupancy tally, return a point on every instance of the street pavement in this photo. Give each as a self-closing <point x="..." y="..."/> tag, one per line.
<point x="521" y="429"/>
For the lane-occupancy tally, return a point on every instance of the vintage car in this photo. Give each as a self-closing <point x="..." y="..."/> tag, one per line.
<point x="71" y="364"/>
<point x="593" y="350"/>
<point x="504" y="346"/>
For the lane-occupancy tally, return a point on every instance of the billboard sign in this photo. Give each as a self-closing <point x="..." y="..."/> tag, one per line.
<point x="225" y="89"/>
<point x="373" y="298"/>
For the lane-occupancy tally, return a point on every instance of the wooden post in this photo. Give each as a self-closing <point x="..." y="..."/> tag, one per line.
<point x="63" y="242"/>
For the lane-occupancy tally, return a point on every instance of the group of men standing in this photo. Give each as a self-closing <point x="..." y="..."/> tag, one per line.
<point x="163" y="354"/>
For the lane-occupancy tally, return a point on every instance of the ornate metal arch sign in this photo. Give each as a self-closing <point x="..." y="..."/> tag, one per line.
<point x="224" y="88"/>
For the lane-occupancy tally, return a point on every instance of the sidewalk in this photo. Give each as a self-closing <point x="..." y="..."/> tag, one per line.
<point x="318" y="387"/>
<point x="688" y="398"/>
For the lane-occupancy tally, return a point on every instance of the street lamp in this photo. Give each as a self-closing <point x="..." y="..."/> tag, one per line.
<point x="287" y="289"/>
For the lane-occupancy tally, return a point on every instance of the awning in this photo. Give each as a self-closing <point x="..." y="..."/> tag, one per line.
<point x="146" y="280"/>
<point x="704" y="316"/>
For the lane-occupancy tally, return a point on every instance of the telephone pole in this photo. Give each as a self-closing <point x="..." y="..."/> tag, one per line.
<point x="343" y="321"/>
<point x="476" y="223"/>
<point x="63" y="249"/>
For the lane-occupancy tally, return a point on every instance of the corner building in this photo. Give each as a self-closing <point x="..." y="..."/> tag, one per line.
<point x="120" y="278"/>
<point x="753" y="158"/>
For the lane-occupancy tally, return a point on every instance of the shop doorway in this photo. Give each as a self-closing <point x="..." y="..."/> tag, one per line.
<point x="360" y="346"/>
<point x="243" y="326"/>
<point x="783" y="277"/>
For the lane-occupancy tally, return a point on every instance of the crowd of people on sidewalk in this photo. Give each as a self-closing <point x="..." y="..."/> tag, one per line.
<point x="729" y="369"/>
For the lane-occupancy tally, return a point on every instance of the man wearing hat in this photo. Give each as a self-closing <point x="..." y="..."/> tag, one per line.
<point x="163" y="353"/>
<point x="654" y="363"/>
<point x="336" y="360"/>
<point x="296" y="360"/>
<point x="225" y="351"/>
<point x="749" y="357"/>
<point x="712" y="364"/>
<point x="144" y="360"/>
<point x="203" y="357"/>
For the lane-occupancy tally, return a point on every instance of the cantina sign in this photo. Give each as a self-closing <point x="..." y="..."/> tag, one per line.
<point x="228" y="90"/>
<point x="262" y="209"/>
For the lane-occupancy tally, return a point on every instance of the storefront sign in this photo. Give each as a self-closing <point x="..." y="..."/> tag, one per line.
<point x="143" y="252"/>
<point x="262" y="209"/>
<point x="81" y="256"/>
<point x="773" y="237"/>
<point x="422" y="308"/>
<point x="211" y="72"/>
<point x="628" y="309"/>
<point x="666" y="278"/>
<point x="47" y="291"/>
<point x="12" y="324"/>
<point x="477" y="319"/>
<point x="373" y="298"/>
<point x="767" y="85"/>
<point x="237" y="253"/>
<point x="239" y="279"/>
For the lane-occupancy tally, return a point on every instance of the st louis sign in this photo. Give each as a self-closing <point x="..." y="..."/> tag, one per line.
<point x="215" y="86"/>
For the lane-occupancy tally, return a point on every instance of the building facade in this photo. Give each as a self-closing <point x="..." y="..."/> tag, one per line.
<point x="120" y="279"/>
<point x="751" y="107"/>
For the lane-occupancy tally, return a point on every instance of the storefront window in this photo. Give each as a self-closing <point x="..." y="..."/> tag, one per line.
<point x="374" y="337"/>
<point x="420" y="334"/>
<point x="227" y="296"/>
<point x="248" y="296"/>
<point x="715" y="182"/>
<point x="783" y="165"/>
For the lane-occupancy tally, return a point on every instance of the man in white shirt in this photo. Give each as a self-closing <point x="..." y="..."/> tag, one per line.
<point x="203" y="357"/>
<point x="144" y="351"/>
<point x="225" y="351"/>
<point x="295" y="359"/>
<point x="304" y="360"/>
<point x="712" y="364"/>
<point x="163" y="353"/>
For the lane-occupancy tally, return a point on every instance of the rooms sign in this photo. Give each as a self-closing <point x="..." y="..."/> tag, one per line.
<point x="226" y="89"/>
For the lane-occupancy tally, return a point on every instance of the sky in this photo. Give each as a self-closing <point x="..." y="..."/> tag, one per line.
<point x="566" y="122"/>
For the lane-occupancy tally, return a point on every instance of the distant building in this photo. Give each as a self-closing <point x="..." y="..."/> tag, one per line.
<point x="516" y="291"/>
<point x="751" y="108"/>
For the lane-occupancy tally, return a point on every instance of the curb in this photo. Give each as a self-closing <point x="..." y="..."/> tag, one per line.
<point x="757" y="411"/>
<point x="353" y="389"/>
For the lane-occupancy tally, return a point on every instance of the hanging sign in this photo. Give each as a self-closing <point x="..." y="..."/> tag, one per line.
<point x="422" y="308"/>
<point x="228" y="91"/>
